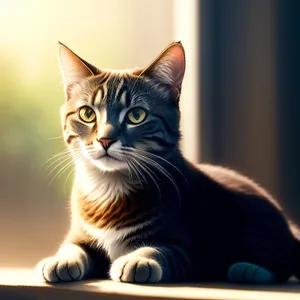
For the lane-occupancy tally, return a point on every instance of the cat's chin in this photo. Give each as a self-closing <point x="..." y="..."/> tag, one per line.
<point x="109" y="164"/>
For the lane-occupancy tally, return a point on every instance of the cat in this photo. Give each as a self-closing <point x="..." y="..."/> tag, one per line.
<point x="141" y="212"/>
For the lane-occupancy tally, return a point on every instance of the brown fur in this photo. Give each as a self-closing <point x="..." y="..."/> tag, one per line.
<point x="120" y="213"/>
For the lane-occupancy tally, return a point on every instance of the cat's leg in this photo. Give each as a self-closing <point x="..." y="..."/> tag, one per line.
<point x="262" y="262"/>
<point x="244" y="272"/>
<point x="152" y="264"/>
<point x="264" y="247"/>
<point x="71" y="262"/>
<point x="76" y="259"/>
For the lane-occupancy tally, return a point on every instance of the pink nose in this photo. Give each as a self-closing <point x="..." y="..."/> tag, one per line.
<point x="106" y="143"/>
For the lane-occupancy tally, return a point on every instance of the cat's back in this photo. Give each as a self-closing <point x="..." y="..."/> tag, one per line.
<point x="232" y="180"/>
<point x="233" y="190"/>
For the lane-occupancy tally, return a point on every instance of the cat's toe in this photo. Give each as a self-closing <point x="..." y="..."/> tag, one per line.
<point x="136" y="270"/>
<point x="53" y="270"/>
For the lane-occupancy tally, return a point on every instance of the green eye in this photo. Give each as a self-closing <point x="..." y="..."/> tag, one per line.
<point x="86" y="114"/>
<point x="136" y="115"/>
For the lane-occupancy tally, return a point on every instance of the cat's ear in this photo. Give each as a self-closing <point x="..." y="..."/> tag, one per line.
<point x="169" y="67"/>
<point x="72" y="67"/>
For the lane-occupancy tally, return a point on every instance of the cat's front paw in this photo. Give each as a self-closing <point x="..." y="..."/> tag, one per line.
<point x="136" y="269"/>
<point x="54" y="269"/>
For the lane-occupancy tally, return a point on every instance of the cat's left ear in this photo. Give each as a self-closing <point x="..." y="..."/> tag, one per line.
<point x="73" y="68"/>
<point x="169" y="67"/>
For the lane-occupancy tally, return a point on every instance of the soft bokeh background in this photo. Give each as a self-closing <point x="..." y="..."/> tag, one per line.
<point x="110" y="34"/>
<point x="239" y="101"/>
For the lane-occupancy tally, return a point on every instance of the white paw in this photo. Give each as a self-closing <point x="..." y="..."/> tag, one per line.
<point x="136" y="269"/>
<point x="55" y="269"/>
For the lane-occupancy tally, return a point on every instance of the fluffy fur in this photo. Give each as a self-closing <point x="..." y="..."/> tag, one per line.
<point x="140" y="211"/>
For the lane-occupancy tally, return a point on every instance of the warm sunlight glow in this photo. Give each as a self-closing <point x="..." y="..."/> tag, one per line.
<point x="193" y="291"/>
<point x="19" y="276"/>
<point x="114" y="34"/>
<point x="186" y="29"/>
<point x="26" y="277"/>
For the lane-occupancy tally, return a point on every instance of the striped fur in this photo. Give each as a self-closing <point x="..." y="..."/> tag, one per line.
<point x="140" y="211"/>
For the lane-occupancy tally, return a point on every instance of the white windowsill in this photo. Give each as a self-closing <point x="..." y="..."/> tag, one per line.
<point x="22" y="284"/>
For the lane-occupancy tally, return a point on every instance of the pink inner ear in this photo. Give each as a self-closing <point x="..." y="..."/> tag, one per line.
<point x="169" y="67"/>
<point x="177" y="61"/>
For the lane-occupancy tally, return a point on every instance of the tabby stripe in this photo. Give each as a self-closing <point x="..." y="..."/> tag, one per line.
<point x="160" y="152"/>
<point x="101" y="84"/>
<point x="71" y="138"/>
<point x="97" y="94"/>
<point x="69" y="114"/>
<point x="167" y="126"/>
<point x="108" y="218"/>
<point x="104" y="78"/>
<point x="128" y="99"/>
<point x="123" y="98"/>
<point x="133" y="220"/>
<point x="123" y="95"/>
<point x="160" y="141"/>
<point x="149" y="229"/>
<point x="118" y="88"/>
<point x="105" y="91"/>
<point x="154" y="151"/>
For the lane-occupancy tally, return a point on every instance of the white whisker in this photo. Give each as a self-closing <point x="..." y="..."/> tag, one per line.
<point x="139" y="173"/>
<point x="64" y="168"/>
<point x="61" y="161"/>
<point x="68" y="176"/>
<point x="56" y="137"/>
<point x="163" y="159"/>
<point x="147" y="160"/>
<point x="59" y="154"/>
<point x="140" y="176"/>
<point x="148" y="171"/>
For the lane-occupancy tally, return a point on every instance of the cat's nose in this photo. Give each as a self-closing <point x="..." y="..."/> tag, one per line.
<point x="106" y="142"/>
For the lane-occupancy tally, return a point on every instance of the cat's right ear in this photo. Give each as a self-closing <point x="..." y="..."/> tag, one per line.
<point x="72" y="67"/>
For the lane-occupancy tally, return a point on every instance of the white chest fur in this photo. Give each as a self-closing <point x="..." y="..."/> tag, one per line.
<point x="111" y="239"/>
<point x="99" y="186"/>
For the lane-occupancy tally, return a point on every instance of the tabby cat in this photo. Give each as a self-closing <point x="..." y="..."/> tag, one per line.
<point x="141" y="212"/>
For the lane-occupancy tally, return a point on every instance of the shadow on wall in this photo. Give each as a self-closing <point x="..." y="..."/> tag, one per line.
<point x="250" y="91"/>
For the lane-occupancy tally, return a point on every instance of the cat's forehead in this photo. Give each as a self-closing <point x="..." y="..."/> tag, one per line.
<point x="108" y="89"/>
<point x="117" y="92"/>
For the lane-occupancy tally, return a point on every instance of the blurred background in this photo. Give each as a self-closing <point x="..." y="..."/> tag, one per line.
<point x="239" y="105"/>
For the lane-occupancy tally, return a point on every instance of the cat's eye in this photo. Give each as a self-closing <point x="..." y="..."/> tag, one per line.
<point x="136" y="115"/>
<point x="86" y="114"/>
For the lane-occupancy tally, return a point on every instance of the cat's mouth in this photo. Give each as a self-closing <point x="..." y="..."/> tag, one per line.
<point x="108" y="162"/>
<point x="107" y="156"/>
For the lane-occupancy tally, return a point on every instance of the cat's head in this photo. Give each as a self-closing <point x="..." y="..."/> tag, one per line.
<point x="116" y="119"/>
